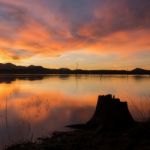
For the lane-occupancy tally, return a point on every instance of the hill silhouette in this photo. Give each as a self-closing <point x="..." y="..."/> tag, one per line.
<point x="10" y="68"/>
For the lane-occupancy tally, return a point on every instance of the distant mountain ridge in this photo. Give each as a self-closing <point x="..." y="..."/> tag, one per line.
<point x="10" y="68"/>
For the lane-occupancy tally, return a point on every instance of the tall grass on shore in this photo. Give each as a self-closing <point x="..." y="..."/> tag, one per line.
<point x="141" y="108"/>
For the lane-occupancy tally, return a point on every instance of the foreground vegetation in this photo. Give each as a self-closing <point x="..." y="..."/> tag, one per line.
<point x="111" y="128"/>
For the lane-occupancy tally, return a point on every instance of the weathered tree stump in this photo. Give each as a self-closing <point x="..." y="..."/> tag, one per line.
<point x="110" y="113"/>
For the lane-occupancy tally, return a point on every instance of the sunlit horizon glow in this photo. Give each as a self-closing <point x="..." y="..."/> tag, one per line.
<point x="97" y="34"/>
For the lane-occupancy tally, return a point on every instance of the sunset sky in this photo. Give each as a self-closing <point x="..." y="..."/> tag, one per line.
<point x="96" y="34"/>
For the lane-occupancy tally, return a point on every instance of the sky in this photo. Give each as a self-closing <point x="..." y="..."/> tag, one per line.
<point x="95" y="34"/>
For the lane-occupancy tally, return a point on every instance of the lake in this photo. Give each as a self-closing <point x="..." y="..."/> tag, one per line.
<point x="32" y="106"/>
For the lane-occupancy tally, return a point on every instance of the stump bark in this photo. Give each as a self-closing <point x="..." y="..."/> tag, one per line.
<point x="110" y="113"/>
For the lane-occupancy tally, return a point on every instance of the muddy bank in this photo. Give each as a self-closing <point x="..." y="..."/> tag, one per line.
<point x="111" y="128"/>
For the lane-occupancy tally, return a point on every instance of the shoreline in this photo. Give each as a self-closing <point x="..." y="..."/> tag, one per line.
<point x="110" y="128"/>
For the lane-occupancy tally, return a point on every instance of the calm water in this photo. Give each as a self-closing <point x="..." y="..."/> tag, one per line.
<point x="34" y="106"/>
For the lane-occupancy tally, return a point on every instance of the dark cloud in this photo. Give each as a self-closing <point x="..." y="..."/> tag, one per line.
<point x="13" y="16"/>
<point x="119" y="15"/>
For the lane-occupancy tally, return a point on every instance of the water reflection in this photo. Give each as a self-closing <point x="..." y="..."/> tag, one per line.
<point x="32" y="106"/>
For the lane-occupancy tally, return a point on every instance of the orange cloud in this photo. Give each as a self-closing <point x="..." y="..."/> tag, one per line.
<point x="53" y="28"/>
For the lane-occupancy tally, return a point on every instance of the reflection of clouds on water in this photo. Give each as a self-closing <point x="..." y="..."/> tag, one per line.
<point x="36" y="114"/>
<point x="38" y="107"/>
